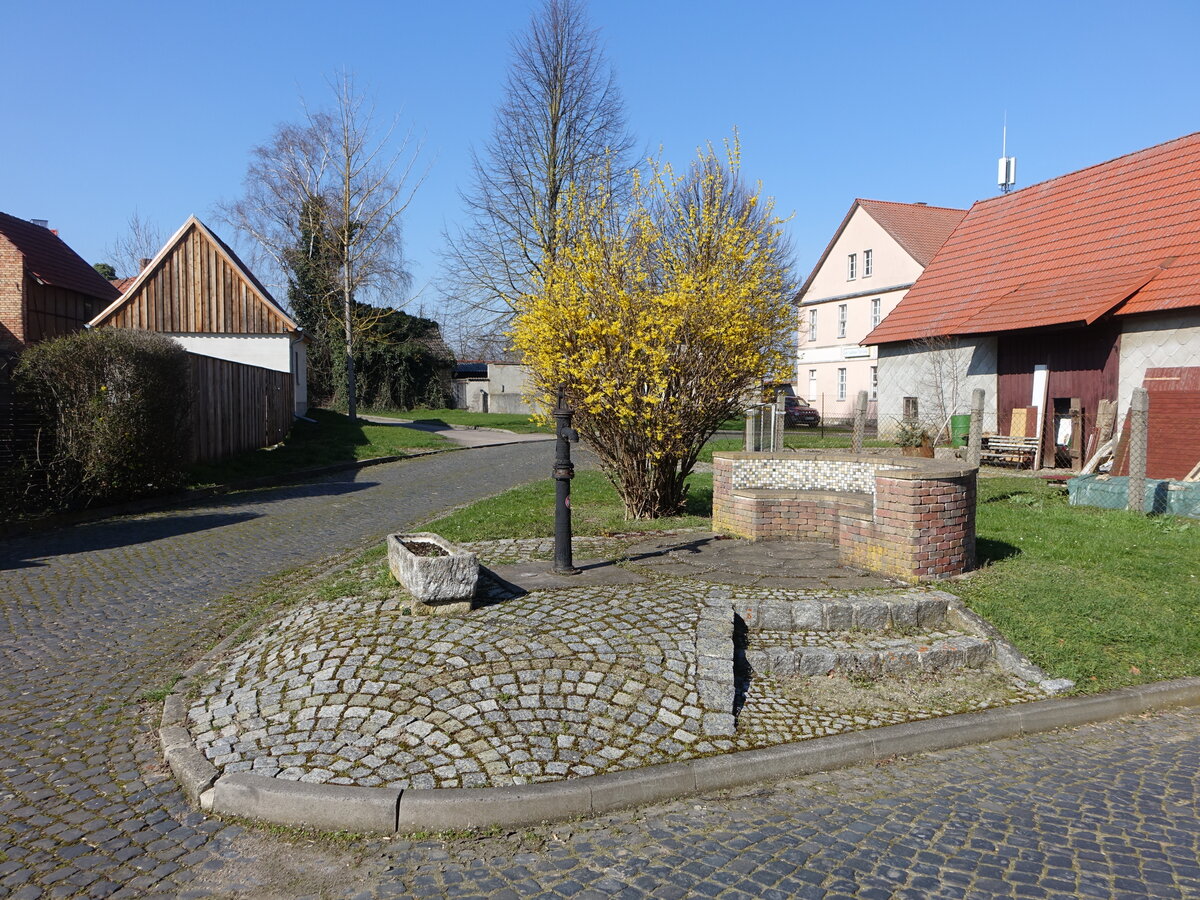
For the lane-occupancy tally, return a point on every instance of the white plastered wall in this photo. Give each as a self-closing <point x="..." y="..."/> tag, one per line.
<point x="507" y="385"/>
<point x="1154" y="341"/>
<point x="278" y="352"/>
<point x="906" y="370"/>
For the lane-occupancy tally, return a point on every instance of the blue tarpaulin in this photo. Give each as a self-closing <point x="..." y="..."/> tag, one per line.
<point x="1177" y="498"/>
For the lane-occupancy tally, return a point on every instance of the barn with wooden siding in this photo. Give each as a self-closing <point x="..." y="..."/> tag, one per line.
<point x="199" y="292"/>
<point x="248" y="355"/>
<point x="1069" y="290"/>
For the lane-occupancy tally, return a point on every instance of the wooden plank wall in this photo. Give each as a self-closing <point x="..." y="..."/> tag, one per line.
<point x="195" y="290"/>
<point x="235" y="407"/>
<point x="51" y="311"/>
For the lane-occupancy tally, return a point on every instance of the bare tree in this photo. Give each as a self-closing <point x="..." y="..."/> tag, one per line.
<point x="561" y="123"/>
<point x="142" y="240"/>
<point x="361" y="177"/>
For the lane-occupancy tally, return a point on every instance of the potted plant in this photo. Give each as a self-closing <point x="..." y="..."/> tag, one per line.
<point x="913" y="439"/>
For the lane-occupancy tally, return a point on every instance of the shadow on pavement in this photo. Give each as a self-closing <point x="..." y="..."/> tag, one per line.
<point x="24" y="552"/>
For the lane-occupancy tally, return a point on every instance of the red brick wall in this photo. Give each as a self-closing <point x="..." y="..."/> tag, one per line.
<point x="12" y="301"/>
<point x="921" y="526"/>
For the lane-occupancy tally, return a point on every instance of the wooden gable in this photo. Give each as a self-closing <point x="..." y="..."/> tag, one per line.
<point x="197" y="285"/>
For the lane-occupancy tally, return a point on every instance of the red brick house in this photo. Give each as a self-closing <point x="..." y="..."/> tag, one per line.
<point x="1085" y="281"/>
<point x="46" y="290"/>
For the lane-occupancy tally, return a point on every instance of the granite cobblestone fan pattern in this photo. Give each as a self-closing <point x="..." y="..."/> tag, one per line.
<point x="569" y="682"/>
<point x="354" y="692"/>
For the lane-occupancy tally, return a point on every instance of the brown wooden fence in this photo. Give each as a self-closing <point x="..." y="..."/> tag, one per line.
<point x="235" y="407"/>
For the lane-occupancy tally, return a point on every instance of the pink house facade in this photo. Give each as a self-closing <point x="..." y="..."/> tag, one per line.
<point x="875" y="256"/>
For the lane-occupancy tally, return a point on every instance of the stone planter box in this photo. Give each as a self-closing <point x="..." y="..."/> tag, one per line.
<point x="440" y="582"/>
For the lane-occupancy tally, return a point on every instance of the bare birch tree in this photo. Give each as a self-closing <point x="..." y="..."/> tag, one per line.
<point x="561" y="123"/>
<point x="362" y="177"/>
<point x="142" y="240"/>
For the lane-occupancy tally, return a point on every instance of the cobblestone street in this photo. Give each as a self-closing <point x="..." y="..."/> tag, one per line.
<point x="97" y="616"/>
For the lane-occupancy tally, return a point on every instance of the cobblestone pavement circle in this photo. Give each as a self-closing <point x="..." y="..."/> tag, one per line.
<point x="536" y="688"/>
<point x="98" y="616"/>
<point x="553" y="684"/>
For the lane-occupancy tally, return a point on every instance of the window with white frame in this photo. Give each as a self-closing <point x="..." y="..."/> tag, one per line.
<point x="841" y="394"/>
<point x="851" y="266"/>
<point x="868" y="263"/>
<point x="876" y="312"/>
<point x="841" y="320"/>
<point x="812" y="324"/>
<point x="812" y="385"/>
<point x="874" y="382"/>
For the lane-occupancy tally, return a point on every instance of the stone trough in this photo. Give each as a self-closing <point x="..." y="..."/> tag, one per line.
<point x="440" y="576"/>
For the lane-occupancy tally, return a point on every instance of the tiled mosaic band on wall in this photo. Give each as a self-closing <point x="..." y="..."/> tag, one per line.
<point x="912" y="518"/>
<point x="836" y="473"/>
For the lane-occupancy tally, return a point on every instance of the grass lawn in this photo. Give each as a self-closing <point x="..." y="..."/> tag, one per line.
<point x="332" y="439"/>
<point x="806" y="440"/>
<point x="517" y="423"/>
<point x="1105" y="597"/>
<point x="528" y="511"/>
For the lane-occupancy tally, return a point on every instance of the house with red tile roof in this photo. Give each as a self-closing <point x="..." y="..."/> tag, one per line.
<point x="872" y="260"/>
<point x="46" y="290"/>
<point x="1071" y="288"/>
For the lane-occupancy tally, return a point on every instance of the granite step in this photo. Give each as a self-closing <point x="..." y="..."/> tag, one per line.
<point x="900" y="611"/>
<point x="774" y="652"/>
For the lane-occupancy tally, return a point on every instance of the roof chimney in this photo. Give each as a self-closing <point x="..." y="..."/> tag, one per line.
<point x="142" y="263"/>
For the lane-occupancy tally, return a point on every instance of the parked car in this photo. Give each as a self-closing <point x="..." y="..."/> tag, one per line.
<point x="797" y="412"/>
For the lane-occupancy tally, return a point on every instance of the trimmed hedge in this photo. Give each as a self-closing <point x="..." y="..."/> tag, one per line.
<point x="113" y="407"/>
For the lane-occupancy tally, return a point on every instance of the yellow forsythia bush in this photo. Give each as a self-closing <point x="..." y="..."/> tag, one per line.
<point x="661" y="314"/>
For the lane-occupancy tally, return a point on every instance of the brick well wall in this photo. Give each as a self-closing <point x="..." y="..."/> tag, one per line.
<point x="916" y="522"/>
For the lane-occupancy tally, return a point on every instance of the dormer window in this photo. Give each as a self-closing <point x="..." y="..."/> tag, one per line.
<point x="867" y="263"/>
<point x="851" y="266"/>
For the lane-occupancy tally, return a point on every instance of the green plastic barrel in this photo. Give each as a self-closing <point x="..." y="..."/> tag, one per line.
<point x="960" y="430"/>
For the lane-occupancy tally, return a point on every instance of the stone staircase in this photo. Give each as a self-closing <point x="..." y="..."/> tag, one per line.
<point x="905" y="632"/>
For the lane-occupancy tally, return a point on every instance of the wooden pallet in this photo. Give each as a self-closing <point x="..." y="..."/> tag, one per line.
<point x="1004" y="448"/>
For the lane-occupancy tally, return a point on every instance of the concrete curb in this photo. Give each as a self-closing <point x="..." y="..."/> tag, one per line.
<point x="342" y="808"/>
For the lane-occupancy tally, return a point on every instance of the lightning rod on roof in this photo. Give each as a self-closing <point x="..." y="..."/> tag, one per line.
<point x="1006" y="175"/>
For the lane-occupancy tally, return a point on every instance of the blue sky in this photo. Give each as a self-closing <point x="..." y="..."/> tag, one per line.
<point x="154" y="106"/>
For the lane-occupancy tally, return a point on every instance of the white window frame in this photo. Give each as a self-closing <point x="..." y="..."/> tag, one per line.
<point x="851" y="266"/>
<point x="868" y="263"/>
<point x="874" y="382"/>
<point x="812" y="385"/>
<point x="843" y="316"/>
<point x="841" y="384"/>
<point x="812" y="324"/>
<point x="876" y="312"/>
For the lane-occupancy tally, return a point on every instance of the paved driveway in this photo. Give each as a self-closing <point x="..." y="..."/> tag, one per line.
<point x="94" y="616"/>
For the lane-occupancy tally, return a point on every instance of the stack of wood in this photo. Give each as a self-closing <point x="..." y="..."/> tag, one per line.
<point x="1100" y="443"/>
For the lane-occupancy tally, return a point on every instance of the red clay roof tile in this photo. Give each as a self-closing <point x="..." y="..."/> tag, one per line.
<point x="1122" y="236"/>
<point x="52" y="261"/>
